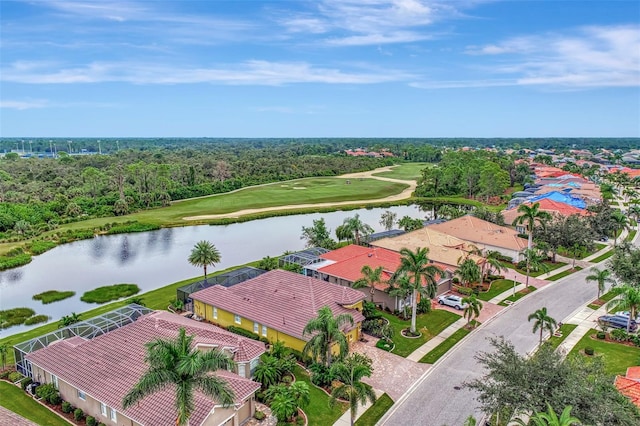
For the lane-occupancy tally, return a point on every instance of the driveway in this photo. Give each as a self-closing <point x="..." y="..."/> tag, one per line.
<point x="391" y="373"/>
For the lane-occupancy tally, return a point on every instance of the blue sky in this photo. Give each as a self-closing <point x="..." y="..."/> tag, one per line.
<point x="328" y="68"/>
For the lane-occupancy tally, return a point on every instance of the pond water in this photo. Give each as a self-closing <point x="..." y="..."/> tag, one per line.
<point x="157" y="258"/>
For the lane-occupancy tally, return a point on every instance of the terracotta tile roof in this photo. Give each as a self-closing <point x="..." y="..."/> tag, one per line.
<point x="550" y="206"/>
<point x="282" y="300"/>
<point x="480" y="231"/>
<point x="108" y="366"/>
<point x="633" y="373"/>
<point x="443" y="249"/>
<point x="629" y="388"/>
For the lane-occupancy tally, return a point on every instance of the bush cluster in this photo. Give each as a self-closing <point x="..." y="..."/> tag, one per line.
<point x="66" y="406"/>
<point x="78" y="414"/>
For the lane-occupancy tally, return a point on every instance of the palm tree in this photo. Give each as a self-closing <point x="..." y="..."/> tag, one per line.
<point x="137" y="300"/>
<point x="493" y="259"/>
<point x="535" y="261"/>
<point x="388" y="219"/>
<point x="418" y="269"/>
<point x="469" y="271"/>
<point x="285" y="400"/>
<point x="204" y="254"/>
<point x="472" y="309"/>
<point x="356" y="228"/>
<point x="401" y="287"/>
<point x="550" y="418"/>
<point x="627" y="299"/>
<point x="601" y="277"/>
<point x="4" y="348"/>
<point x="531" y="215"/>
<point x="67" y="320"/>
<point x="328" y="332"/>
<point x="180" y="366"/>
<point x="267" y="371"/>
<point x="350" y="372"/>
<point x="370" y="277"/>
<point x="542" y="322"/>
<point x="620" y="222"/>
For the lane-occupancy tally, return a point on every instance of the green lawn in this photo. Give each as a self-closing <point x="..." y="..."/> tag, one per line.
<point x="14" y="399"/>
<point x="319" y="411"/>
<point x="406" y="171"/>
<point x="631" y="235"/>
<point x="602" y="257"/>
<point x="375" y="412"/>
<point x="430" y="324"/>
<point x="583" y="253"/>
<point x="565" y="329"/>
<point x="300" y="191"/>
<point x="155" y="299"/>
<point x="550" y="267"/>
<point x="604" y="298"/>
<point x="497" y="287"/>
<point x="617" y="358"/>
<point x="519" y="295"/>
<point x="443" y="347"/>
<point x="564" y="274"/>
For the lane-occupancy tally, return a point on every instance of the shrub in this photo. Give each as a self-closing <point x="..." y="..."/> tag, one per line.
<point x="259" y="415"/>
<point x="243" y="332"/>
<point x="46" y="390"/>
<point x="424" y="305"/>
<point x="299" y="420"/>
<point x="25" y="382"/>
<point x="619" y="335"/>
<point x="4" y="374"/>
<point x="385" y="345"/>
<point x="320" y="375"/>
<point x="589" y="350"/>
<point x="369" y="310"/>
<point x="101" y="424"/>
<point x="91" y="421"/>
<point x="66" y="406"/>
<point x="14" y="376"/>
<point x="78" y="414"/>
<point x="635" y="339"/>
<point x="465" y="291"/>
<point x="54" y="399"/>
<point x="601" y="335"/>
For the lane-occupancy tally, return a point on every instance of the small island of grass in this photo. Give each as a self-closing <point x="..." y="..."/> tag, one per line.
<point x="110" y="292"/>
<point x="53" y="296"/>
<point x="15" y="316"/>
<point x="36" y="319"/>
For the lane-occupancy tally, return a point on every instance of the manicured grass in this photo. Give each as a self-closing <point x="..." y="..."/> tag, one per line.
<point x="159" y="298"/>
<point x="603" y="298"/>
<point x="583" y="253"/>
<point x="497" y="287"/>
<point x="519" y="295"/>
<point x="602" y="257"/>
<point x="617" y="358"/>
<point x="443" y="347"/>
<point x="550" y="267"/>
<point x="631" y="235"/>
<point x="53" y="296"/>
<point x="319" y="412"/>
<point x="405" y="171"/>
<point x="14" y="399"/>
<point x="430" y="324"/>
<point x="565" y="329"/>
<point x="110" y="292"/>
<point x="375" y="412"/>
<point x="564" y="274"/>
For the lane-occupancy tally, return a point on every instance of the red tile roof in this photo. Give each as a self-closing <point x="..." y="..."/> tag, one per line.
<point x="629" y="388"/>
<point x="480" y="231"/>
<point x="108" y="366"/>
<point x="633" y="373"/>
<point x="282" y="300"/>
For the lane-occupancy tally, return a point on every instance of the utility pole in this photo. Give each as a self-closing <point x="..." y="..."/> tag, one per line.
<point x="31" y="146"/>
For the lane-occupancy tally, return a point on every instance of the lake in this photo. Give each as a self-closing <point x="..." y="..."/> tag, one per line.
<point x="158" y="258"/>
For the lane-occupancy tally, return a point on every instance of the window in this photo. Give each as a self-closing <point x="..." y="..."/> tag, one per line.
<point x="215" y="313"/>
<point x="264" y="330"/>
<point x="237" y="319"/>
<point x="113" y="414"/>
<point x="256" y="327"/>
<point x="82" y="395"/>
<point x="103" y="409"/>
<point x="241" y="371"/>
<point x="54" y="380"/>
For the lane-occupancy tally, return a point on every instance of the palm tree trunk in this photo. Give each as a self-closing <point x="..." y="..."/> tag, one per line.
<point x="372" y="291"/>
<point x="530" y="243"/>
<point x="414" y="308"/>
<point x="205" y="272"/>
<point x="541" y="328"/>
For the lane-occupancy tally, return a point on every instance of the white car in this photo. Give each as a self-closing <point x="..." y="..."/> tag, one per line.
<point x="452" y="300"/>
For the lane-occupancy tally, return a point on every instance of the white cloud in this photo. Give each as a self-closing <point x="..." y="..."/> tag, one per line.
<point x="247" y="73"/>
<point x="23" y="105"/>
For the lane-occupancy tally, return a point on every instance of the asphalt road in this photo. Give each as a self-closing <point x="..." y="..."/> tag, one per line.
<point x="434" y="400"/>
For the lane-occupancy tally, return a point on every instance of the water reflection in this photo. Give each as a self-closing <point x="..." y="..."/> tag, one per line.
<point x="157" y="258"/>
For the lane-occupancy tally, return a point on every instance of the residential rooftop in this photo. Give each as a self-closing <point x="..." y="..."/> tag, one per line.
<point x="482" y="232"/>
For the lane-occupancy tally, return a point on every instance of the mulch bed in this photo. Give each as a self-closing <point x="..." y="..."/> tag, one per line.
<point x="598" y="302"/>
<point x="610" y="340"/>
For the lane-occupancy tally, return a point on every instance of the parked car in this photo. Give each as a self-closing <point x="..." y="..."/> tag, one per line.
<point x="452" y="300"/>
<point x="615" y="321"/>
<point x="625" y="315"/>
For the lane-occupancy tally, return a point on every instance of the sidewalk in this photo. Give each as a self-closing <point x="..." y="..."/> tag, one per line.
<point x="585" y="319"/>
<point x="345" y="419"/>
<point x="417" y="355"/>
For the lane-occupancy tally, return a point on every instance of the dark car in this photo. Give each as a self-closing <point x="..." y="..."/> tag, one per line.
<point x="615" y="321"/>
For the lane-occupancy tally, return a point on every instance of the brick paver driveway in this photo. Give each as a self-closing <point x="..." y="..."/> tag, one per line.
<point x="9" y="418"/>
<point x="391" y="373"/>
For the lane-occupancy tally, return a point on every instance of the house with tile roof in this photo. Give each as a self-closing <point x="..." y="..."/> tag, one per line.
<point x="95" y="374"/>
<point x="277" y="305"/>
<point x="555" y="208"/>
<point x="343" y="266"/>
<point x="629" y="385"/>
<point x="485" y="235"/>
<point x="444" y="250"/>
